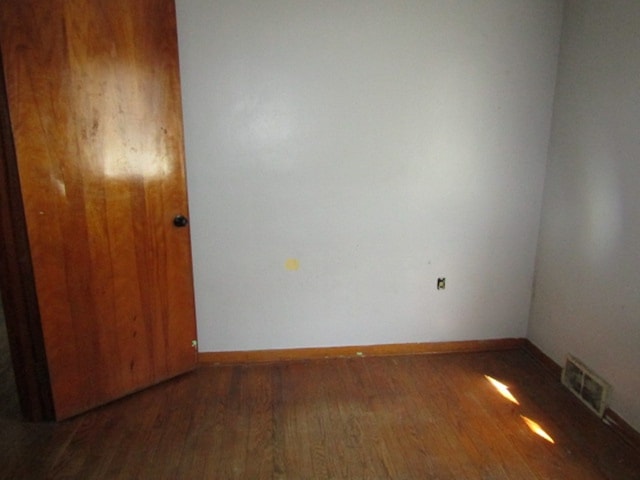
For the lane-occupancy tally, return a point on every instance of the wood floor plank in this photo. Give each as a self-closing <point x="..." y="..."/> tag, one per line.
<point x="405" y="417"/>
<point x="347" y="397"/>
<point x="201" y="453"/>
<point x="258" y="407"/>
<point x="442" y="435"/>
<point x="292" y="451"/>
<point x="406" y="427"/>
<point x="485" y="439"/>
<point x="361" y="428"/>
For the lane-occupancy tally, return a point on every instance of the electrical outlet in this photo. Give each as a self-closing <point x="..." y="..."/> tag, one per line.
<point x="441" y="284"/>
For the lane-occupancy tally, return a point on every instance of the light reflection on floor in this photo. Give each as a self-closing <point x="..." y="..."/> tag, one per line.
<point x="537" y="429"/>
<point x="503" y="390"/>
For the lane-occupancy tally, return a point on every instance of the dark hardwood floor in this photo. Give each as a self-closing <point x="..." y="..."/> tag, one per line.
<point x="9" y="405"/>
<point x="412" y="417"/>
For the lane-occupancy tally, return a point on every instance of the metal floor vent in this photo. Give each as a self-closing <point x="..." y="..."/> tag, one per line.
<point x="586" y="385"/>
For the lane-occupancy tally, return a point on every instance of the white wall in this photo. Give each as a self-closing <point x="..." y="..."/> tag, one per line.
<point x="381" y="145"/>
<point x="587" y="299"/>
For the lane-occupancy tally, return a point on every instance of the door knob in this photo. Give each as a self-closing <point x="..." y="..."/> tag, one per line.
<point x="180" y="221"/>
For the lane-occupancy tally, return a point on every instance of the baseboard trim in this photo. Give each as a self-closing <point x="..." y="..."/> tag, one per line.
<point x="626" y="431"/>
<point x="543" y="358"/>
<point x="611" y="418"/>
<point x="300" y="354"/>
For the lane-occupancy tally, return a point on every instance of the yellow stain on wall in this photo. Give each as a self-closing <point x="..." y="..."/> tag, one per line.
<point x="292" y="264"/>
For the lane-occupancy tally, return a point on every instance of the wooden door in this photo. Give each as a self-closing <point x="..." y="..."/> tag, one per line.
<point x="94" y="105"/>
